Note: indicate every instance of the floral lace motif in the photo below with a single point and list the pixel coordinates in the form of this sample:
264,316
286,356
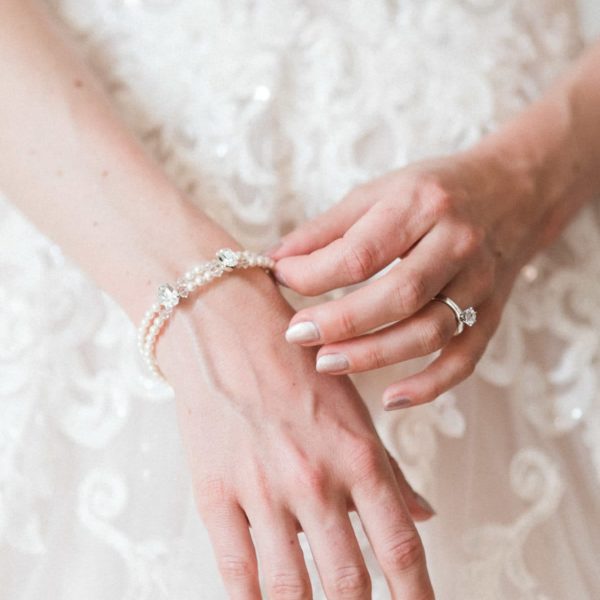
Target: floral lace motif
497,550
266,113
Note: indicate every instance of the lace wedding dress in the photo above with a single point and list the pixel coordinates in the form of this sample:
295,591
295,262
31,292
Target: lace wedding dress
265,112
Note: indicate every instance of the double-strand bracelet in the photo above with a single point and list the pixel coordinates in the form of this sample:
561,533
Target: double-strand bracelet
169,295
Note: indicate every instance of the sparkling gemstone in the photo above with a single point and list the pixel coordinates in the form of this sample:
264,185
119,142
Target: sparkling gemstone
228,258
469,316
167,296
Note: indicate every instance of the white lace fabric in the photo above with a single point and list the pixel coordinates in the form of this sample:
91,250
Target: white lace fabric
267,112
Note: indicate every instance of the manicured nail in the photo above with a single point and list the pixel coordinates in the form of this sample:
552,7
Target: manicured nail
400,402
272,249
330,363
424,504
306,331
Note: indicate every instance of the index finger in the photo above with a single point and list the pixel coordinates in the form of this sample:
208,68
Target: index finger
393,537
386,231
233,548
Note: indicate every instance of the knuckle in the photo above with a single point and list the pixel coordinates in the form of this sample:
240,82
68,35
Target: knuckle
288,586
433,336
435,389
346,323
210,492
411,294
387,211
468,241
314,480
372,357
404,553
466,365
360,261
235,567
439,201
351,581
262,490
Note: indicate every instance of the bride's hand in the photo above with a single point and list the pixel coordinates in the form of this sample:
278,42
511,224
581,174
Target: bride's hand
278,447
463,225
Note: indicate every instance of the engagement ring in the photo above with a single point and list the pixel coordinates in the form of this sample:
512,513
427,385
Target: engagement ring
463,317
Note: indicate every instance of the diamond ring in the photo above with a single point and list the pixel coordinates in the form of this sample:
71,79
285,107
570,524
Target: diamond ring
466,317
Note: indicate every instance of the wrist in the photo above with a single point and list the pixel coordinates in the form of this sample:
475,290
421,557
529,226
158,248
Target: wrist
238,309
537,161
157,247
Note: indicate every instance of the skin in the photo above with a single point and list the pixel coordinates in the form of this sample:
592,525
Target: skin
464,225
273,446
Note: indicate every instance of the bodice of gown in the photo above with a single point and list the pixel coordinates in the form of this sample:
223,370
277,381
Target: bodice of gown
269,111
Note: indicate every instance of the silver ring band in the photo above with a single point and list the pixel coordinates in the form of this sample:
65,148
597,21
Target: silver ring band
463,317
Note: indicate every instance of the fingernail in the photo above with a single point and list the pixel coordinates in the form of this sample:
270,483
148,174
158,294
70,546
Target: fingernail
424,504
329,363
272,249
306,331
400,402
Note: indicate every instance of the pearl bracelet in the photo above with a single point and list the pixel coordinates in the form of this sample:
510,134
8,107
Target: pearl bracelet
169,296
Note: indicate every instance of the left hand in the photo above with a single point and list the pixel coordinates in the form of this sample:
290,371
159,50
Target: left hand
463,226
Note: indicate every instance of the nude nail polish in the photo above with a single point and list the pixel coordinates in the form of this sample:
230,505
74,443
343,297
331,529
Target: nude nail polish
332,363
303,332
399,402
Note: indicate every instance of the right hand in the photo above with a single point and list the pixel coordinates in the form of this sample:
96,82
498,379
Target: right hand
278,447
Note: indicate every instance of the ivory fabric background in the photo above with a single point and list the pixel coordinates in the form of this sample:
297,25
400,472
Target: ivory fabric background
266,112
590,18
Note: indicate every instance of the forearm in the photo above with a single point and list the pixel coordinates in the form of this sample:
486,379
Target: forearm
76,171
553,147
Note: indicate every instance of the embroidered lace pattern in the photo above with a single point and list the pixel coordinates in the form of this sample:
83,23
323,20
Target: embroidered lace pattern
265,113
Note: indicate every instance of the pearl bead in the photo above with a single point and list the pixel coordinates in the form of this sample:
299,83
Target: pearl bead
155,317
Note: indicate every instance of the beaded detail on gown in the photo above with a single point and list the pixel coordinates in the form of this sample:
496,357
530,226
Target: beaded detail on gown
266,112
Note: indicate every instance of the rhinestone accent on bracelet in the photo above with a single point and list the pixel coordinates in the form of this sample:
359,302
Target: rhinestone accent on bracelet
169,296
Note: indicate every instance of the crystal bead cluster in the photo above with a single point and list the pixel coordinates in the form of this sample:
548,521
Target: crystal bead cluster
169,296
